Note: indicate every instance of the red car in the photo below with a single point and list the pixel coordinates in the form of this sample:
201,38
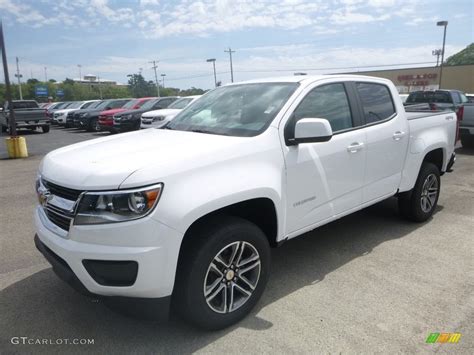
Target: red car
106,118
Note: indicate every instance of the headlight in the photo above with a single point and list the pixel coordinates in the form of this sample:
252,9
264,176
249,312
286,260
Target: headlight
117,206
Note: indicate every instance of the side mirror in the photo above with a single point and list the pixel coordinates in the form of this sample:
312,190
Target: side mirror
312,130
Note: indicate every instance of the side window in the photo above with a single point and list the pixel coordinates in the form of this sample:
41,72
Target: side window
376,101
456,97
329,102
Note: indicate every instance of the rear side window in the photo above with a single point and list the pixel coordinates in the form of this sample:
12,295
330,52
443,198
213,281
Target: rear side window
329,102
456,97
24,105
376,101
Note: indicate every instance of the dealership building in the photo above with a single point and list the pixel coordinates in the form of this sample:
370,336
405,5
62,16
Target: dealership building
460,77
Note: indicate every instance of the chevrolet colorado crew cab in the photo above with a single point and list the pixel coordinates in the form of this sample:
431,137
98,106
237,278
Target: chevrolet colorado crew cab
185,215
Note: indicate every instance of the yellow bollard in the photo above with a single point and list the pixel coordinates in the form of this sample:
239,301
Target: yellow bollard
16,147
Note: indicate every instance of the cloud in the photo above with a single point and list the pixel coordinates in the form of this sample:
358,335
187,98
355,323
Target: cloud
157,19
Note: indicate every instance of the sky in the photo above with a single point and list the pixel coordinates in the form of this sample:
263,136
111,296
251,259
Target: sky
113,38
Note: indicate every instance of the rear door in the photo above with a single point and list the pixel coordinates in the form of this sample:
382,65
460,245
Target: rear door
386,140
325,179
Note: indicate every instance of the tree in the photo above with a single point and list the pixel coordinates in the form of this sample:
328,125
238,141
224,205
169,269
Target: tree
52,80
464,57
139,87
32,81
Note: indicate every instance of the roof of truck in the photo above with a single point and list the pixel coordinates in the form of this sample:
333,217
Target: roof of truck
307,78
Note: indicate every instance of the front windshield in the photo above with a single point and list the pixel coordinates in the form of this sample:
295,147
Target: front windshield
149,104
75,104
180,104
135,103
244,110
88,104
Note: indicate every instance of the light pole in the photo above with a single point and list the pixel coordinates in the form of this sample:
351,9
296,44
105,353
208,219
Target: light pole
163,76
8,93
213,61
45,74
154,62
230,51
19,76
437,53
445,25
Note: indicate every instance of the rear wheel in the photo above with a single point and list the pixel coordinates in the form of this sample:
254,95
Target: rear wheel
45,129
222,273
419,204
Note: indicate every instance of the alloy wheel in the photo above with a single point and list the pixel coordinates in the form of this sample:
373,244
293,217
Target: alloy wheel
232,277
429,193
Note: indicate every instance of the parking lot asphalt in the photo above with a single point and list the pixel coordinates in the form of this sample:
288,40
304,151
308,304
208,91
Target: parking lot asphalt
368,283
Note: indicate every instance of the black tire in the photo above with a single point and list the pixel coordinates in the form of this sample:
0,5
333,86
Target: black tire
205,244
467,141
93,125
45,129
410,204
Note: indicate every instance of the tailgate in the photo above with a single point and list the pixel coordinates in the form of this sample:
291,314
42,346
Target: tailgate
32,114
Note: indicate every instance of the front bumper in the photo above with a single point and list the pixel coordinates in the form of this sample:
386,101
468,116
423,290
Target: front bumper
149,243
126,125
151,308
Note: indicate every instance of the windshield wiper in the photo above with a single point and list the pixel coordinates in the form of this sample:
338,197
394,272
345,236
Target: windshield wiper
207,132
201,131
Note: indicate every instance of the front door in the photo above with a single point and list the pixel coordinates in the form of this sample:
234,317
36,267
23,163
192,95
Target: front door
324,179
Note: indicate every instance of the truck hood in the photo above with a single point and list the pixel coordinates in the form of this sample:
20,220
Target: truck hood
105,163
162,112
66,110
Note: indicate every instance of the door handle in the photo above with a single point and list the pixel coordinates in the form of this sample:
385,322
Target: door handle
355,147
398,135
449,118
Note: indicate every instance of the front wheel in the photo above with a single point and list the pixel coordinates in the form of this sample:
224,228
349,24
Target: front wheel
222,273
94,125
419,204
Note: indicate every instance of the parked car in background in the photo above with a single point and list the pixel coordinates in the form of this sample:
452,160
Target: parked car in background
187,215
61,115
130,120
470,98
106,118
453,100
27,115
70,115
158,118
89,119
59,106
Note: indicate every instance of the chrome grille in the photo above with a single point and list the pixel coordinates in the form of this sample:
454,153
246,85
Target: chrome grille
59,207
64,192
59,217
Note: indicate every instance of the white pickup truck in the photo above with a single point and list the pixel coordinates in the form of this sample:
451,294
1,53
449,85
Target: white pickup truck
186,215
